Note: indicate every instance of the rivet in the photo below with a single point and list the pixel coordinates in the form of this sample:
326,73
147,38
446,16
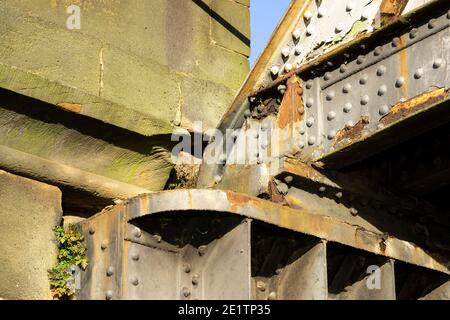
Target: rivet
137,233
283,188
157,238
378,50
261,286
308,84
103,246
399,82
360,59
363,79
322,189
380,126
310,121
264,127
288,179
91,230
347,87
264,145
285,52
311,140
109,295
343,68
195,279
353,212
298,50
223,159
202,250
110,271
432,24
186,267
307,15
365,15
330,95
384,109
288,67
331,134
296,34
382,90
419,73
135,256
247,113
134,281
301,130
347,107
338,195
327,76
365,100
274,70
281,88
321,12
309,102
278,270
349,124
309,31
350,6
381,70
186,292
395,42
413,33
331,115
272,296
437,63
217,178
301,144
339,28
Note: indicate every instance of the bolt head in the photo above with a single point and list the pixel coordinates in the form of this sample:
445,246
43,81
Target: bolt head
134,281
195,279
274,70
110,271
399,82
261,286
187,268
109,295
185,292
347,107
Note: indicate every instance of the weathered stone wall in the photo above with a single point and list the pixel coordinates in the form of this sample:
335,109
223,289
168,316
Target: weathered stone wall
105,99
146,66
28,212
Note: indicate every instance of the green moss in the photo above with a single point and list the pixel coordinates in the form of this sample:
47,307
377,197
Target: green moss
71,252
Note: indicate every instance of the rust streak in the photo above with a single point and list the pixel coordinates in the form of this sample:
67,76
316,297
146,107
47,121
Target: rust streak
72,107
291,109
352,132
391,9
408,107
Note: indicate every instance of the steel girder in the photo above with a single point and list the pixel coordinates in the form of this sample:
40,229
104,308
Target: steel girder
211,244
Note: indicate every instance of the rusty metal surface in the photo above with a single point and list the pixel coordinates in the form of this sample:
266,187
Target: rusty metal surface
300,220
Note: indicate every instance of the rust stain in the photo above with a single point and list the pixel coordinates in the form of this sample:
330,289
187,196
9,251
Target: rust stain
275,196
352,132
291,109
408,107
404,71
391,9
236,200
72,107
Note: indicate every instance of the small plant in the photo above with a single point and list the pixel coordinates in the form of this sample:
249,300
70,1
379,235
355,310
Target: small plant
71,252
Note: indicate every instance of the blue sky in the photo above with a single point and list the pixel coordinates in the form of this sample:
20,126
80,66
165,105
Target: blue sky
265,15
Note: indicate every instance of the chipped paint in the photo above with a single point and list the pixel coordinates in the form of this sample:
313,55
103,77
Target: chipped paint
69,106
408,107
354,132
